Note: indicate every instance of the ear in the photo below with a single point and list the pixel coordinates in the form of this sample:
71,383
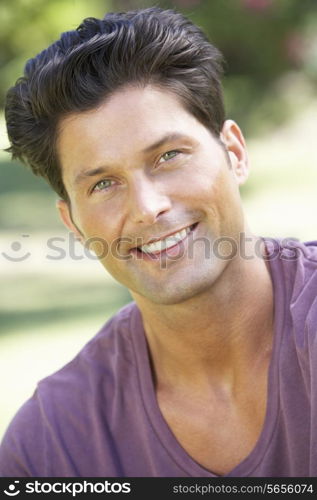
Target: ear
234,142
66,217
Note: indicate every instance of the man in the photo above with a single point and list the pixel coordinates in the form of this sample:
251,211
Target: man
210,370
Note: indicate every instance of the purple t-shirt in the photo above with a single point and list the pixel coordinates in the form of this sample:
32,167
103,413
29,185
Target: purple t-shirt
98,416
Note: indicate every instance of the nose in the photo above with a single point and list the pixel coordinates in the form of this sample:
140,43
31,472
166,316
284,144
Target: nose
147,201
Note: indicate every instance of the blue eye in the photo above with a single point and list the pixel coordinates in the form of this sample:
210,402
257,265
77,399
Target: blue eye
168,156
103,185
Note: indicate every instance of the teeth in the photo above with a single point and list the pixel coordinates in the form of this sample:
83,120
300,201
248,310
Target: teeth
170,241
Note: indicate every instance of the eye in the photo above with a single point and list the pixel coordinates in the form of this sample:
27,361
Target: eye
103,185
169,155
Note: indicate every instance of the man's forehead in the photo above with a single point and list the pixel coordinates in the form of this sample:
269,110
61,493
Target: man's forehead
129,100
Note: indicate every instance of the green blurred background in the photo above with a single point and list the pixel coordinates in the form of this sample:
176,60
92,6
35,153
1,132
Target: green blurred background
54,295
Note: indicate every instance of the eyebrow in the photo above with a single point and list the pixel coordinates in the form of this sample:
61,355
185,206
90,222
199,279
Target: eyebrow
170,137
81,176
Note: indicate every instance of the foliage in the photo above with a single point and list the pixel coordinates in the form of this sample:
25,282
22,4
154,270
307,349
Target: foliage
28,26
262,41
270,49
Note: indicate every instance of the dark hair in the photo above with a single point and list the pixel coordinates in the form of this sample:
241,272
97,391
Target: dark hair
87,65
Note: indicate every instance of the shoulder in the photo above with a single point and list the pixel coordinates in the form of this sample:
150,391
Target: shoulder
99,357
299,262
17,459
70,401
294,262
294,270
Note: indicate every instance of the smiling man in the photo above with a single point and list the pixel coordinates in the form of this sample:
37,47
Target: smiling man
209,371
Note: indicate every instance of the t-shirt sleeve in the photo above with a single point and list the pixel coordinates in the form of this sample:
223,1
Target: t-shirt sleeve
70,427
22,450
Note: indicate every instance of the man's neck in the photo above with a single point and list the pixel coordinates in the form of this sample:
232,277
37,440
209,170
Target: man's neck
217,336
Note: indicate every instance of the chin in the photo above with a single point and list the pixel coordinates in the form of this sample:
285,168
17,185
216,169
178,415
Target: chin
171,294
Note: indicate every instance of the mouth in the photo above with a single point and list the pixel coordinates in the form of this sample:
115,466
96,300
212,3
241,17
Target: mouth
159,247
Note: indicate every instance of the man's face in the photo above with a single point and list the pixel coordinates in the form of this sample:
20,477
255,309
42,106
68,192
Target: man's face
140,168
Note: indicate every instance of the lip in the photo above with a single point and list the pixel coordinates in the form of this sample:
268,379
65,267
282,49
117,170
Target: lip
167,251
154,240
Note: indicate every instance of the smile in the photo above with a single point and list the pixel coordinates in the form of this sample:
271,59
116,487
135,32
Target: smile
165,243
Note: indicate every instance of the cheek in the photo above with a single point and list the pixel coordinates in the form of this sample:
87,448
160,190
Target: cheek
106,247
96,225
229,205
99,246
202,186
215,192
